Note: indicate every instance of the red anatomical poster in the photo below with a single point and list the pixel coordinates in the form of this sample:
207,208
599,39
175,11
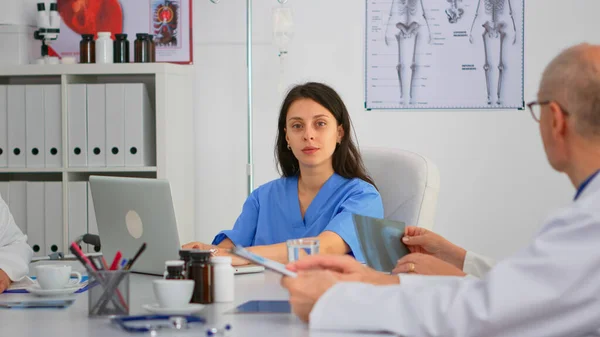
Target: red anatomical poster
168,20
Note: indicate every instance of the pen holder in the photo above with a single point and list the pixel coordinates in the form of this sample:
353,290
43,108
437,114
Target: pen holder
108,293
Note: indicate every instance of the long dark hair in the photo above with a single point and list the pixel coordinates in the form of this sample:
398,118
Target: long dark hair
347,161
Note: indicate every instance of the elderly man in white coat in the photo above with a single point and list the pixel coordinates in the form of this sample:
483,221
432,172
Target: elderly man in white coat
550,288
15,253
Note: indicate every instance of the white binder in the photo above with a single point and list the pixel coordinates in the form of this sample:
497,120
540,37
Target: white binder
115,128
17,203
53,202
77,125
35,218
4,191
16,126
34,127
3,127
53,125
96,125
139,127
77,209
92,224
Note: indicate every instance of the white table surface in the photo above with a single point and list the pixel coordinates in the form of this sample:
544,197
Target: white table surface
74,321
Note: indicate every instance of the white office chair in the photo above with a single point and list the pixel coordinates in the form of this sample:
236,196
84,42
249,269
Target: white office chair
408,183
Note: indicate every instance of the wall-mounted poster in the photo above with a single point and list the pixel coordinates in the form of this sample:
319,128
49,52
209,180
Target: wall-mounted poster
450,54
170,21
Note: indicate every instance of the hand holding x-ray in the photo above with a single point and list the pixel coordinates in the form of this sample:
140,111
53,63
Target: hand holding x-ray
422,241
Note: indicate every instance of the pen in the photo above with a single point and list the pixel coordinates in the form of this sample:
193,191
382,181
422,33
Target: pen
110,286
102,303
91,268
104,264
81,256
97,261
115,262
132,261
123,263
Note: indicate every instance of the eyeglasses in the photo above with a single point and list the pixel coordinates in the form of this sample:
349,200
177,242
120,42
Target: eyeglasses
535,108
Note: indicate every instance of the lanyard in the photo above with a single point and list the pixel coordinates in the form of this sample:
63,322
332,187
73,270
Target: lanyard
585,183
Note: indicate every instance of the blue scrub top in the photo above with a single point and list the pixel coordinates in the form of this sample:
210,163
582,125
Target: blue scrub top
271,214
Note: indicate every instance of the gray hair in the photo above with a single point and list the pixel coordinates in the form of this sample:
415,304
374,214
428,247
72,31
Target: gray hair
572,79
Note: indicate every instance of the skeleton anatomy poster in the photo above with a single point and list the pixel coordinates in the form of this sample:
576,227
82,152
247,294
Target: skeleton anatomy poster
444,54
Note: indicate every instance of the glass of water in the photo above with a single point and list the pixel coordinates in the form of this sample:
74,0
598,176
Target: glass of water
297,248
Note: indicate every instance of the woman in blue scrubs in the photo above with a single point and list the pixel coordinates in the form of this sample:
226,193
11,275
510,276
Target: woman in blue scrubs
323,183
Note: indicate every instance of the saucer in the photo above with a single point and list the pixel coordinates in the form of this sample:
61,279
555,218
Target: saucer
36,290
186,310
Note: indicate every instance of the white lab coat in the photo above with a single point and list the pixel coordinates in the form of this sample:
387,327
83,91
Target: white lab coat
550,288
477,265
15,253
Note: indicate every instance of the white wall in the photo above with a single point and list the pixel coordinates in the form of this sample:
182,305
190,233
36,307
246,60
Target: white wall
496,186
19,12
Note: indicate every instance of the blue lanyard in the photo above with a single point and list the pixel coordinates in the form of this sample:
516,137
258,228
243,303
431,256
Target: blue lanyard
585,183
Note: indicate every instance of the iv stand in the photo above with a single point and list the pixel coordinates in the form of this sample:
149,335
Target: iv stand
250,164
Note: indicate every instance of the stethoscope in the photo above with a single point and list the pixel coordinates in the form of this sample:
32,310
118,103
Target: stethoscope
154,323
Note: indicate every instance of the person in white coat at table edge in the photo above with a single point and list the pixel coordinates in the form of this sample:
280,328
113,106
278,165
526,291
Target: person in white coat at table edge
15,253
549,288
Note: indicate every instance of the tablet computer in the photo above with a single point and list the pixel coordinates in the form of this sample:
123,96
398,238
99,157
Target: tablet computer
265,307
380,241
248,269
38,304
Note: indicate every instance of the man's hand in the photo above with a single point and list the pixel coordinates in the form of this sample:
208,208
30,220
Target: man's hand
421,240
423,264
4,281
306,289
347,269
318,273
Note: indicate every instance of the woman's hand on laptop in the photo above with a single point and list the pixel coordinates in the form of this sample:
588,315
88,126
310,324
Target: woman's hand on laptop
421,240
198,245
216,251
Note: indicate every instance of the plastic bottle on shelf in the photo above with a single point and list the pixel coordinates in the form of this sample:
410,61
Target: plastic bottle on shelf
104,48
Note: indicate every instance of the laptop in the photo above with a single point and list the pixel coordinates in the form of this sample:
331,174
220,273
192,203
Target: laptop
380,241
131,211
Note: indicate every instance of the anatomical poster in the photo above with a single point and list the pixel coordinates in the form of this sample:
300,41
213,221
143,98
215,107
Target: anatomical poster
451,54
169,21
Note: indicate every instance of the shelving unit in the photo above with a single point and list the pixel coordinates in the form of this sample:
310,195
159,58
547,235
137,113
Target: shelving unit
170,88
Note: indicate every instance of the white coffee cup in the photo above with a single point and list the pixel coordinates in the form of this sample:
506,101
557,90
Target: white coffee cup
55,276
173,293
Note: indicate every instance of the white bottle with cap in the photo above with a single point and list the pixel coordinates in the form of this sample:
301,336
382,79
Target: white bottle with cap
223,285
104,48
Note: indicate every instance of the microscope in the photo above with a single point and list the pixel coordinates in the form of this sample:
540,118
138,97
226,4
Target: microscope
48,27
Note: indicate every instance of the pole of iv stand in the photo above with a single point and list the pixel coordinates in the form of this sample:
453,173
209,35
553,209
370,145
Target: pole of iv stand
250,164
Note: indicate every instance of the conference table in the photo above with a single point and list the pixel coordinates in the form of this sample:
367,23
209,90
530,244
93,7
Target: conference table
74,321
